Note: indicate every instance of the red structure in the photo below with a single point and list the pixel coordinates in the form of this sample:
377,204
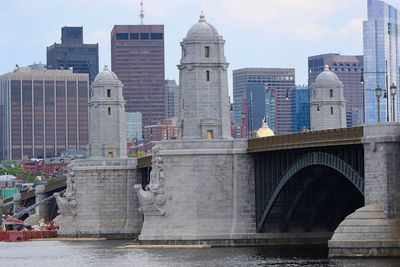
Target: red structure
165,130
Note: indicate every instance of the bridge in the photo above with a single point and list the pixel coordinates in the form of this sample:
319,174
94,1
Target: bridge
308,181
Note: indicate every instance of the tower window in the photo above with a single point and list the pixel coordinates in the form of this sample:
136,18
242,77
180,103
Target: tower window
210,134
108,92
207,51
331,110
109,111
318,108
331,92
207,75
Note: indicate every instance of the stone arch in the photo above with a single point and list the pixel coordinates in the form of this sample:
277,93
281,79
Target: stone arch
309,159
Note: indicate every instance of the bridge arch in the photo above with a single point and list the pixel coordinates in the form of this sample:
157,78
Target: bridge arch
310,159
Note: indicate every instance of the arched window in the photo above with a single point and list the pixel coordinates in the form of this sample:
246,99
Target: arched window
108,92
330,92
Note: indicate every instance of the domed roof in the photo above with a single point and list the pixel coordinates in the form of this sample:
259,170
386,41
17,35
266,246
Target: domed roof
202,30
264,131
106,76
327,76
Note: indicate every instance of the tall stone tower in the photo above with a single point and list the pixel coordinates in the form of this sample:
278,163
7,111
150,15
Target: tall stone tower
100,199
203,87
327,104
107,117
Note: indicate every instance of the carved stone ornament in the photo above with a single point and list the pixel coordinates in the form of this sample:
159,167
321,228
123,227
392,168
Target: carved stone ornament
152,199
67,203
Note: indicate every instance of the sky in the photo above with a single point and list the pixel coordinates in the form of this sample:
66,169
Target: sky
258,33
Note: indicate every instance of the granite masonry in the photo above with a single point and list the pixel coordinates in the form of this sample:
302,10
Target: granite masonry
100,198
374,230
203,185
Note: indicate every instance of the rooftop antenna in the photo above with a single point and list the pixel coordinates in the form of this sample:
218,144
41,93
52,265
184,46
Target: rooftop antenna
141,15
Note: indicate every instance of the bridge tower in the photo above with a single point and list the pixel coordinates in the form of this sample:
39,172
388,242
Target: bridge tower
100,199
327,104
203,99
107,117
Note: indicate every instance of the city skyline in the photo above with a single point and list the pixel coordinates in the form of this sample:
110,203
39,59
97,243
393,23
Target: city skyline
306,28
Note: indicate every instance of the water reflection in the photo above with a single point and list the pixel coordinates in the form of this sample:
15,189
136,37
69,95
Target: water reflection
112,253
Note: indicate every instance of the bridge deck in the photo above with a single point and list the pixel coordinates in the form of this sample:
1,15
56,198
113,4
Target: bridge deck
344,136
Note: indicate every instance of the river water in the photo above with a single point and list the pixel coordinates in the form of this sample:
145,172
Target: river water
113,253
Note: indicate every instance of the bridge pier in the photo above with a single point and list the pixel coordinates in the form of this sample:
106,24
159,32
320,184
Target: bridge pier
41,211
374,230
17,200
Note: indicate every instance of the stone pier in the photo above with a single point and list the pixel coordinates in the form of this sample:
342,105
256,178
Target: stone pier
17,200
374,230
199,190
42,210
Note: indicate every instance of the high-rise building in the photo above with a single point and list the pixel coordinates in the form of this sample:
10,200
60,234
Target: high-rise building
133,121
73,53
381,60
137,57
349,70
172,90
280,79
42,112
300,99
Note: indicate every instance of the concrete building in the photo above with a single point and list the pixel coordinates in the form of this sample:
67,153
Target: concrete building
42,112
381,60
99,199
282,80
349,70
73,53
300,101
137,58
200,185
172,91
165,130
133,121
327,103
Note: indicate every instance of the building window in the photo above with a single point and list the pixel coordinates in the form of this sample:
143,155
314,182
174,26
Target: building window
207,75
134,36
330,92
210,134
144,36
110,155
122,36
108,92
331,110
207,51
156,35
109,111
318,108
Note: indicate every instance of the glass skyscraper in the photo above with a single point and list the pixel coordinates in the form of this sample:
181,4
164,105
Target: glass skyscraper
381,60
300,99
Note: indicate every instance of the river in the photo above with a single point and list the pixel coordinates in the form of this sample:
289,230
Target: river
112,253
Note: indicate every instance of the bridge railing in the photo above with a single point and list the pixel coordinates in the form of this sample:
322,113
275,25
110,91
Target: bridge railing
343,136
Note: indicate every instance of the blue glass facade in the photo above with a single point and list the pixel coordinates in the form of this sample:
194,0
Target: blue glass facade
381,59
300,99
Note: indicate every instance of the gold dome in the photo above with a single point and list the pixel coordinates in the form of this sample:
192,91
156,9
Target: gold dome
264,131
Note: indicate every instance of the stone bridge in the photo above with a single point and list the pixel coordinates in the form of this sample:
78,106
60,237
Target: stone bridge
315,181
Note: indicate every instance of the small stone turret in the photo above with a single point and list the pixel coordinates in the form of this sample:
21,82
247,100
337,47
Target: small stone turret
107,117
327,103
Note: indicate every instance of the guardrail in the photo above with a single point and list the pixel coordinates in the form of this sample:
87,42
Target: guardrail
334,137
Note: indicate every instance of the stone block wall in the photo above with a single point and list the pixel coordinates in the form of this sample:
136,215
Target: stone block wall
382,166
209,188
106,202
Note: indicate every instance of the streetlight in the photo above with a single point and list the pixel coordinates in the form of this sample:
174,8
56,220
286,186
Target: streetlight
393,91
378,93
